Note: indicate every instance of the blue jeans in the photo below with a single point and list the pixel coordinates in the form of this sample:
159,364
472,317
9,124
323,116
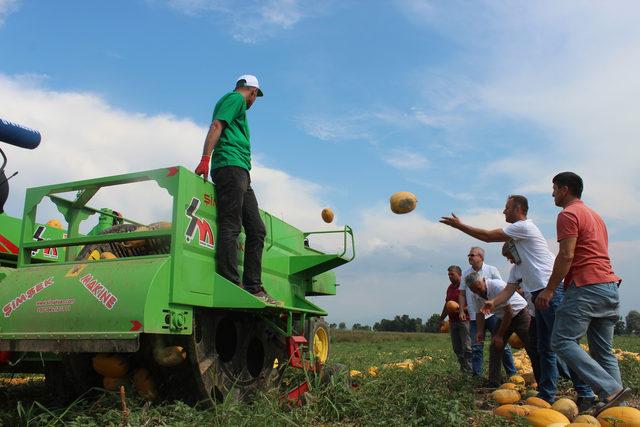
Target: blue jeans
545,321
590,310
477,349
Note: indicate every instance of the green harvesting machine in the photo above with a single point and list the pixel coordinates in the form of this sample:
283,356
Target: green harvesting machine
142,304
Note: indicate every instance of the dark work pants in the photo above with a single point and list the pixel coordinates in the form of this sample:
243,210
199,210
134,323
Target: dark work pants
461,343
520,326
533,339
237,207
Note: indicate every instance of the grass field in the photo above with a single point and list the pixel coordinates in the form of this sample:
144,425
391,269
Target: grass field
432,393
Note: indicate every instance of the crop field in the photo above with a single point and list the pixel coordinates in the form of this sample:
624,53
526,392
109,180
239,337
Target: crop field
402,379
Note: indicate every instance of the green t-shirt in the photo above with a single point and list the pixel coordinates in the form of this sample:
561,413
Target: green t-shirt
233,147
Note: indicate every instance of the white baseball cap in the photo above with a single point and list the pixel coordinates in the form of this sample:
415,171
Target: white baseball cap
248,80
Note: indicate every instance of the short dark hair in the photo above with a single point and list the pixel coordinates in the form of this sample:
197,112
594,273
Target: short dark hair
455,268
570,180
521,201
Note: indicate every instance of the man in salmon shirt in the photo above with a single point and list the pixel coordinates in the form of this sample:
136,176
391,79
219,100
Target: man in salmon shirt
591,300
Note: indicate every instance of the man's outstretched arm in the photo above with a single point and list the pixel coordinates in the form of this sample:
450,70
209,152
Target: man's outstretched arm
496,235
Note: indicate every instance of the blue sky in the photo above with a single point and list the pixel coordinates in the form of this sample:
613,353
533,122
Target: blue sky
461,103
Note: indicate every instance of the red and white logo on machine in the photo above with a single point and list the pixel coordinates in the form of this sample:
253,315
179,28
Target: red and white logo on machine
199,225
9,308
47,252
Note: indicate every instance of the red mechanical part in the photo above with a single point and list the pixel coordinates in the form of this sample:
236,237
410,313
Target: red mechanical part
4,357
295,395
295,351
172,171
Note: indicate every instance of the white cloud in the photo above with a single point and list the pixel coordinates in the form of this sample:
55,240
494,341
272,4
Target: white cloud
405,159
567,69
6,8
345,128
254,20
372,126
83,137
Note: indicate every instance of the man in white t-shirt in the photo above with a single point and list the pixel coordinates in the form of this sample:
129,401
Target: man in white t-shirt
536,261
466,300
512,317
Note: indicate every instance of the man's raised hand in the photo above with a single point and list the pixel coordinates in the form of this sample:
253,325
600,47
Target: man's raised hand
452,221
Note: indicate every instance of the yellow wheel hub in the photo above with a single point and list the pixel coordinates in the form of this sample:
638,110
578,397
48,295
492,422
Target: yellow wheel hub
321,345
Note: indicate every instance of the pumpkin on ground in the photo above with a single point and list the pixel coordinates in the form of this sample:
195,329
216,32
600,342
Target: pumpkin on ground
536,401
543,417
510,411
403,202
169,356
113,384
144,384
627,416
503,396
581,425
517,379
445,327
567,407
515,341
588,419
509,386
530,408
110,365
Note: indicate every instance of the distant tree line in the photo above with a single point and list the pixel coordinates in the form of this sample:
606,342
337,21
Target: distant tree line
631,326
628,325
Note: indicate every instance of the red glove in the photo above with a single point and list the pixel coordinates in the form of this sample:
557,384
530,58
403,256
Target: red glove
203,167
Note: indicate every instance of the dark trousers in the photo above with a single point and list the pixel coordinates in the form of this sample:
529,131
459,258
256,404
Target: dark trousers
477,349
461,343
237,207
520,326
535,356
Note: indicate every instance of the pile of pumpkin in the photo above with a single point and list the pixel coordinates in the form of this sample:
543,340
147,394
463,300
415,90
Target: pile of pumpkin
21,380
116,371
407,364
516,401
619,353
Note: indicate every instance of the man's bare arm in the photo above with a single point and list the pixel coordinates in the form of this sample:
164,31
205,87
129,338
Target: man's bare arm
563,261
213,135
506,321
497,235
444,313
561,267
479,327
503,296
462,303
